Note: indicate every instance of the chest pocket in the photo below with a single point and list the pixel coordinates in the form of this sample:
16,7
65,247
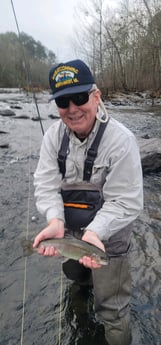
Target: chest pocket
81,200
81,203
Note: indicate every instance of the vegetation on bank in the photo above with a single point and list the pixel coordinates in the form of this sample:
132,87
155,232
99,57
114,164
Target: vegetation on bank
24,61
121,44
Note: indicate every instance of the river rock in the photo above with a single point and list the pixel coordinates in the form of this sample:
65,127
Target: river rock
4,146
3,132
7,112
24,117
53,117
16,106
37,118
150,151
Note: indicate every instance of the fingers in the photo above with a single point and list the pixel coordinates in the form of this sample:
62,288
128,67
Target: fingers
48,251
54,229
40,237
91,237
89,262
37,240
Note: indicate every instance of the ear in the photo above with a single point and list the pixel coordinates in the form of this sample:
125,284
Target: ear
97,95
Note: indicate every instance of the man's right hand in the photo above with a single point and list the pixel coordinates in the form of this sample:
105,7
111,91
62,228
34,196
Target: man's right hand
55,229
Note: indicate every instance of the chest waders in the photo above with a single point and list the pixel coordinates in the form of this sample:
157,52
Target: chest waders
81,201
112,283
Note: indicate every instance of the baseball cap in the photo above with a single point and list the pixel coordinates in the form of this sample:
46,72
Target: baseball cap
69,78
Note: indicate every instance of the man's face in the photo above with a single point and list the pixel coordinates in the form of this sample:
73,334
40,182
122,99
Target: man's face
80,119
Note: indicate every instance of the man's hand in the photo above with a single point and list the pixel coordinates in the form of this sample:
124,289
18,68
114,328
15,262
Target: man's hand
55,229
91,237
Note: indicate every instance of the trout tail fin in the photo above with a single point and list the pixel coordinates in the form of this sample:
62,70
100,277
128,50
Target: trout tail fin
27,247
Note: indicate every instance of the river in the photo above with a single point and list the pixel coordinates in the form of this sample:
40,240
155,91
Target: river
38,305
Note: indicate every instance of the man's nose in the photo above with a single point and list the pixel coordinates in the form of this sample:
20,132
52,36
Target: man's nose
72,107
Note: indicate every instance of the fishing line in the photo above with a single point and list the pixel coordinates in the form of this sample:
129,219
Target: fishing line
29,85
26,67
27,233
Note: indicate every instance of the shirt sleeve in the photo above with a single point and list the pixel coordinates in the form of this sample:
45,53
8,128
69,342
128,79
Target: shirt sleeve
122,190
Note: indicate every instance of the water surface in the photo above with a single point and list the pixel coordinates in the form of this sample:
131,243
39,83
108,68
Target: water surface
51,309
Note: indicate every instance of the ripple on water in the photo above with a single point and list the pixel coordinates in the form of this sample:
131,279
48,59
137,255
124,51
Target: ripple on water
42,308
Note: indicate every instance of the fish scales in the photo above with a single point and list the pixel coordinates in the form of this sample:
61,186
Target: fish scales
70,248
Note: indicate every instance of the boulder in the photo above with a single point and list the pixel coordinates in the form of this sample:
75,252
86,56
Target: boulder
7,112
24,117
3,132
37,118
4,146
150,151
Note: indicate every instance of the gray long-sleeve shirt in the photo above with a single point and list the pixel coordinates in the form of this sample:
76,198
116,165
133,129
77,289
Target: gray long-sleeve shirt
117,169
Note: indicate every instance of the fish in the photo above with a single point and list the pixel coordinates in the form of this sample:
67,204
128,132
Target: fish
70,248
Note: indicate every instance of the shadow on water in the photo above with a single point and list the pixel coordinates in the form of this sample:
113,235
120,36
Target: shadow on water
43,281
80,317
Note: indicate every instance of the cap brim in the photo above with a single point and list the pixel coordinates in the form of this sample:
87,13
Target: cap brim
72,90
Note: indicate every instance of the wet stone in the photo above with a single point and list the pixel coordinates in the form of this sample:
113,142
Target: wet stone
7,112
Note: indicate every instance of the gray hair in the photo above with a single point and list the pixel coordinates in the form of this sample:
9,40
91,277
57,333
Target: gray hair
94,87
102,114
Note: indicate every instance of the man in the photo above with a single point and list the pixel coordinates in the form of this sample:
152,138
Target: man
70,172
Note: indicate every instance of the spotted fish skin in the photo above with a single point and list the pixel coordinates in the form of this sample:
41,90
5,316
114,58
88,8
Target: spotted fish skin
70,248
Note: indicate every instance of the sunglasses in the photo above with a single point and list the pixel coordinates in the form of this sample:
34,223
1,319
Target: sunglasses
77,98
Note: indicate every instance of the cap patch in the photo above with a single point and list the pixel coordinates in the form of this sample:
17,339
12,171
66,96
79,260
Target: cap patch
65,75
70,77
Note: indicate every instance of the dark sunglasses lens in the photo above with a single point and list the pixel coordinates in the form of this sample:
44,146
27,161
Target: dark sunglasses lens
80,98
62,102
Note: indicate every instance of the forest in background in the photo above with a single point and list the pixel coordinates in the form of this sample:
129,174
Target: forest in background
122,46
24,61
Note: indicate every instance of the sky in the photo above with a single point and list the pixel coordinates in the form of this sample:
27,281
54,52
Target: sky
51,22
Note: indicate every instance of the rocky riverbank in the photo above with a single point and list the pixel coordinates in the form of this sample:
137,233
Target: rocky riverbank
150,147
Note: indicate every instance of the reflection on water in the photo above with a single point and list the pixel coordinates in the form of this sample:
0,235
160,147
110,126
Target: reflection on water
43,283
80,317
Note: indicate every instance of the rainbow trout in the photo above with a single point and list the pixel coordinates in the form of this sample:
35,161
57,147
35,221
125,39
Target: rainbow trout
70,248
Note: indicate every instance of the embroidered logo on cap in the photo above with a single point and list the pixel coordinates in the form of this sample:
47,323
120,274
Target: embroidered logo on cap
65,75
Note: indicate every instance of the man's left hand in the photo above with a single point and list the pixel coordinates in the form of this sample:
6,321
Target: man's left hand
91,237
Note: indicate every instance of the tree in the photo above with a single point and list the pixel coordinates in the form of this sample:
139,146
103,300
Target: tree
123,46
23,61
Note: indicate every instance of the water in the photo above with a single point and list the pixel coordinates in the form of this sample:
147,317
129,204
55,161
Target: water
49,316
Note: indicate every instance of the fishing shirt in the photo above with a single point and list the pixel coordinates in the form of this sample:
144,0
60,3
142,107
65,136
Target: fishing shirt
117,170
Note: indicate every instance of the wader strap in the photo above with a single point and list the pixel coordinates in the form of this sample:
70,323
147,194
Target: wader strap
62,154
91,153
